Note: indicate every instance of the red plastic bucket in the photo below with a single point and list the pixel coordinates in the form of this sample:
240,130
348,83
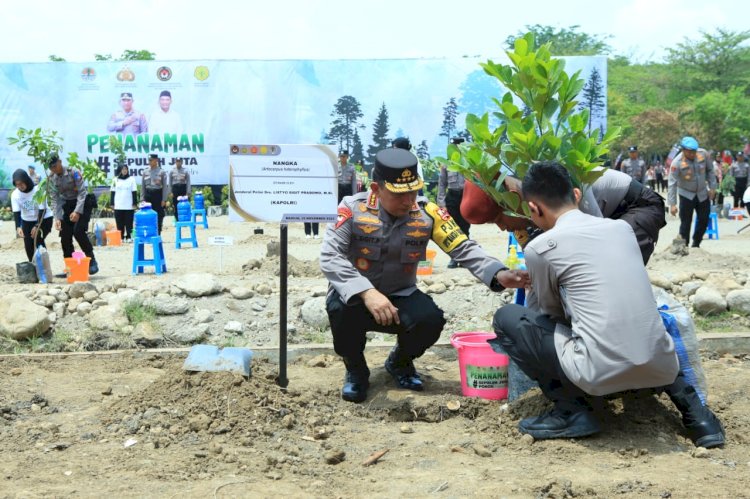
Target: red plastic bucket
484,372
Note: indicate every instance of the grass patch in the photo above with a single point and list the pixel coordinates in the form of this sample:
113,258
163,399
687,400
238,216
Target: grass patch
720,323
137,312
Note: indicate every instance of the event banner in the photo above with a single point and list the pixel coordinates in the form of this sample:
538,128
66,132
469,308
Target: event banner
195,110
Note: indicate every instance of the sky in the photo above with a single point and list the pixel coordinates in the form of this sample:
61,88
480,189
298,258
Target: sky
31,30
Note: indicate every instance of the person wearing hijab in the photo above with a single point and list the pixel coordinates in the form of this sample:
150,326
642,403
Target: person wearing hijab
33,220
123,199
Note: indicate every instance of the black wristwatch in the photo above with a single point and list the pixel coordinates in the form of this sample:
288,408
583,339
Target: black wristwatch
495,284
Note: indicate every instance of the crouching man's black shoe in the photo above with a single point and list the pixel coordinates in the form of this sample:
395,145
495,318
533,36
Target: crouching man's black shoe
560,424
704,428
355,387
405,376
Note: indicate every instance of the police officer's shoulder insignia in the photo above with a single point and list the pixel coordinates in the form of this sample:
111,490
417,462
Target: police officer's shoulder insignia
544,245
344,214
372,201
361,207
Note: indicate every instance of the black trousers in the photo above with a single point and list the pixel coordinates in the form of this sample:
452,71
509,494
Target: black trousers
155,198
702,210
345,190
740,184
311,228
421,324
77,230
124,222
646,216
660,182
178,190
527,336
30,243
453,204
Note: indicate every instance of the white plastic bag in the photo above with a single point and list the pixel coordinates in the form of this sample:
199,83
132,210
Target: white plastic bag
42,265
686,340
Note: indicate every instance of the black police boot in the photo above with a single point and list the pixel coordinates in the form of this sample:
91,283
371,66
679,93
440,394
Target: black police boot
570,418
402,369
356,380
93,267
702,425
559,423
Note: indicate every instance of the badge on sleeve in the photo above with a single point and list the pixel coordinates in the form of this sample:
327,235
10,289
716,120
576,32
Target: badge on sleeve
445,230
344,214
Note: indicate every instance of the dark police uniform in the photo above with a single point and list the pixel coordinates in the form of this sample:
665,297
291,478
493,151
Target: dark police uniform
155,191
179,181
369,248
69,195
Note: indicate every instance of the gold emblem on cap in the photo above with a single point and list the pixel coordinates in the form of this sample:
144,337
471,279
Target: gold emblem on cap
406,176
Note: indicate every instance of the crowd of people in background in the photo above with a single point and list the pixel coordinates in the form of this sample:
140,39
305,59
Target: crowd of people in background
729,168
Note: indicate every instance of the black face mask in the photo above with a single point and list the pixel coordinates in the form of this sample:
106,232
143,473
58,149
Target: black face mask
23,177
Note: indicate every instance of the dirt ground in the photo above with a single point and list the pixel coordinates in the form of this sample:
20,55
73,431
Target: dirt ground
134,424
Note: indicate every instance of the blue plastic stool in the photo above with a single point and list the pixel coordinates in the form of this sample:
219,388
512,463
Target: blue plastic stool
179,240
195,217
139,257
712,231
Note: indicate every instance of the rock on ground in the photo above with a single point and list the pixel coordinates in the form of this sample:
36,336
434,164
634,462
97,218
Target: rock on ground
313,312
107,318
20,318
202,284
164,304
709,301
739,301
78,289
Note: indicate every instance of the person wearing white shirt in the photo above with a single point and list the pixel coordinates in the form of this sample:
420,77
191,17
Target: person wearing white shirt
123,199
33,220
164,119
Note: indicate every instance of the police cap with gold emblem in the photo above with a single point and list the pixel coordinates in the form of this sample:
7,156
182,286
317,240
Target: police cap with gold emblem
397,169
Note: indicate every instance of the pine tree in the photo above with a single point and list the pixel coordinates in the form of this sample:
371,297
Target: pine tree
379,135
592,97
357,153
423,151
450,112
346,112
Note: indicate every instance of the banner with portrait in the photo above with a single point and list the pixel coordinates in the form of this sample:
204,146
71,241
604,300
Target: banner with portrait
194,110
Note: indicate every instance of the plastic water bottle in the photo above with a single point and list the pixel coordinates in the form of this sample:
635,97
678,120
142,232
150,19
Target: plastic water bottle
98,234
199,204
183,209
146,221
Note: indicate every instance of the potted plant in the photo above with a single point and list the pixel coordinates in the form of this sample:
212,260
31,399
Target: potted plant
538,120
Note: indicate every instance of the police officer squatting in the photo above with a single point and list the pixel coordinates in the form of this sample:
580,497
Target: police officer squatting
72,207
594,329
370,258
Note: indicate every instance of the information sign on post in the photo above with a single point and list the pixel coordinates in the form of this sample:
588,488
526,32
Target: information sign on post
282,183
221,241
